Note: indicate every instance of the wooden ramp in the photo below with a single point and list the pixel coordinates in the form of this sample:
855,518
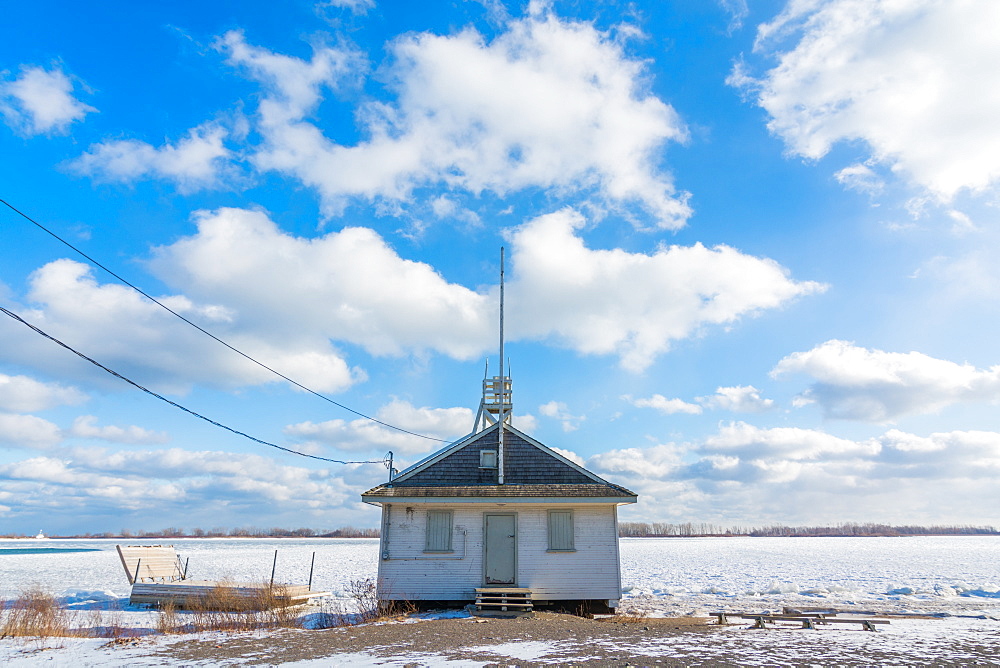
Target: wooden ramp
159,578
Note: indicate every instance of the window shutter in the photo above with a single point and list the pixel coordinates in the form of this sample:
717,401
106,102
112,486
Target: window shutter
561,530
438,531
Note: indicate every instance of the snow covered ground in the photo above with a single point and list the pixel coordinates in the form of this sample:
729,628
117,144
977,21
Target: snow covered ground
955,578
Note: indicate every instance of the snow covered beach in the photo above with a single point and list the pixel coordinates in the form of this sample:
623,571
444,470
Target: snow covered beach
956,579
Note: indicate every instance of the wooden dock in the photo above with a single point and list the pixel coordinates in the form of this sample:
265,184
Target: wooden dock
209,595
158,577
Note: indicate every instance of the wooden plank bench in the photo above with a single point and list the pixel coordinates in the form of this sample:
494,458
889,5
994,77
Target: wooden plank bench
808,620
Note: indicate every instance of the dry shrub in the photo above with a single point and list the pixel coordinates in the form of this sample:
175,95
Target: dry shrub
631,615
228,607
168,621
365,595
331,615
370,607
34,613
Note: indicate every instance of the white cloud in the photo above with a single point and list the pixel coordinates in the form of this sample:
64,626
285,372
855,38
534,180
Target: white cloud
783,444
370,296
632,304
739,399
363,435
198,161
915,81
558,410
210,488
85,426
861,178
861,384
737,10
40,101
570,455
548,104
755,475
660,461
21,394
356,6
28,431
151,346
664,405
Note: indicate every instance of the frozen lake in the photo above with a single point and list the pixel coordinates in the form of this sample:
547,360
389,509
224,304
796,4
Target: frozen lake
936,575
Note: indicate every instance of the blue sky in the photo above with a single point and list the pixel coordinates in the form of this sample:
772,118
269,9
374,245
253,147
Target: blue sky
751,247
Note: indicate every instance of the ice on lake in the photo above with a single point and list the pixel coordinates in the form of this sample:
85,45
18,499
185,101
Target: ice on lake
957,575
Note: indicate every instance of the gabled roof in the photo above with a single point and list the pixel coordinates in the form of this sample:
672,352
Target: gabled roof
531,471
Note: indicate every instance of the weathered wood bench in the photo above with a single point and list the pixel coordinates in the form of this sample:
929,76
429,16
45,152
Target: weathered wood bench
808,620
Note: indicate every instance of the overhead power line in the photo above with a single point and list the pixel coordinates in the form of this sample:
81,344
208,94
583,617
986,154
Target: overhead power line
213,336
174,403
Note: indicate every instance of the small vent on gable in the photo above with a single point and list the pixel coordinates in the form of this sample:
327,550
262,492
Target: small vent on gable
487,459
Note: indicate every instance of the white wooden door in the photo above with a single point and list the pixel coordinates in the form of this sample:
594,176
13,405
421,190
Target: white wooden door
500,558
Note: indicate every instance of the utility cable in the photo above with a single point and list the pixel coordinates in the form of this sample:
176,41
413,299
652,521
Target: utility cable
207,333
174,403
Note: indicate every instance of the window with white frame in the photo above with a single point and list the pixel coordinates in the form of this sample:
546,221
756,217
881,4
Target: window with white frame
438,531
561,531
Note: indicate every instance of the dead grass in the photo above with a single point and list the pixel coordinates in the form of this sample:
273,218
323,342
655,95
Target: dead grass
631,615
231,608
34,613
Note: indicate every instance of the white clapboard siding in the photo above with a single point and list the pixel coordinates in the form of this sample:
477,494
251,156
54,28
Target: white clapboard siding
589,572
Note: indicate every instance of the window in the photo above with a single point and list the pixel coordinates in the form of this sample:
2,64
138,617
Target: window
487,459
438,531
561,531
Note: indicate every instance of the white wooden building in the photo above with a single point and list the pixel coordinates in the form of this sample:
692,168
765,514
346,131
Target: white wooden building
498,515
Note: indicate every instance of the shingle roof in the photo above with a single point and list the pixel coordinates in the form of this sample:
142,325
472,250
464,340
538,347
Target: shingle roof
582,491
531,470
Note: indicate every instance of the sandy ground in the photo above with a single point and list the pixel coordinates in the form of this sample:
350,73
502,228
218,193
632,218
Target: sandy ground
543,639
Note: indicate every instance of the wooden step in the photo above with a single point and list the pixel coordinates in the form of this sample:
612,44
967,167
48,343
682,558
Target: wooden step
502,598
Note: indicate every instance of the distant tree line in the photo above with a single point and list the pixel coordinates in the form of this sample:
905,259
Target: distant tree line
222,532
664,529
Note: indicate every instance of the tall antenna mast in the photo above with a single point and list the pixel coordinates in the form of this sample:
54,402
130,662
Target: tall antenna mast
503,383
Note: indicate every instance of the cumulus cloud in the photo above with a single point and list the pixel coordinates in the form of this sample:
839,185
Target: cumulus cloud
747,473
28,431
40,101
197,161
912,80
151,346
363,435
664,405
208,487
856,383
633,304
558,410
370,296
547,103
21,394
739,399
85,426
